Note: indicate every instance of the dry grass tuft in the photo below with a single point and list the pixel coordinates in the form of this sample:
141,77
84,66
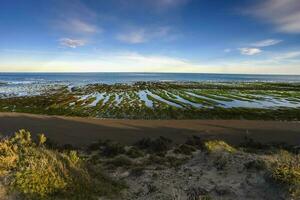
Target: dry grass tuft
39,173
218,146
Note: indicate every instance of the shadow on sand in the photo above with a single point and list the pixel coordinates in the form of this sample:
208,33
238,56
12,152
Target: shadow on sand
83,131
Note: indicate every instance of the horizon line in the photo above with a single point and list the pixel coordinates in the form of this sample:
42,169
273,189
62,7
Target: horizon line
78,72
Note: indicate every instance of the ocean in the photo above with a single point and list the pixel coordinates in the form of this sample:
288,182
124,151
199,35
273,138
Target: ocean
111,78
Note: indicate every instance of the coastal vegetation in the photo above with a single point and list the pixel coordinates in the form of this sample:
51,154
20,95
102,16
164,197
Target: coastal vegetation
31,170
36,168
165,100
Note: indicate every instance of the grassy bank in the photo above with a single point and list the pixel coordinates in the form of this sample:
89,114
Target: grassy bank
36,168
33,170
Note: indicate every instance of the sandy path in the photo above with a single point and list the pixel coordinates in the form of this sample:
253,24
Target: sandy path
83,131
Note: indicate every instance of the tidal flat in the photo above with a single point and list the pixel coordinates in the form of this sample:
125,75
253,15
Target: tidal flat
161,100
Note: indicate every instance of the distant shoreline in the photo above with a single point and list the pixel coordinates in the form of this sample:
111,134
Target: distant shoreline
202,73
129,77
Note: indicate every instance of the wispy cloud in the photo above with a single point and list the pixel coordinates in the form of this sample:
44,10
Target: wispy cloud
78,26
157,5
266,43
72,43
287,55
142,35
249,51
168,3
153,60
76,18
81,26
133,37
284,14
104,61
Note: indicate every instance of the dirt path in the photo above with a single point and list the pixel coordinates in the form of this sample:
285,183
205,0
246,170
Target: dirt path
83,131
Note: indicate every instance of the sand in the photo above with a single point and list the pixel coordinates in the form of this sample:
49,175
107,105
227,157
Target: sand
83,131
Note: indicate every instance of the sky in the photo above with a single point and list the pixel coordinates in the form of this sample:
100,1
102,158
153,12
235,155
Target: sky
195,36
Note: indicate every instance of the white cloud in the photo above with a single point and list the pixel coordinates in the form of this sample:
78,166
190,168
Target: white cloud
133,37
250,51
106,61
284,14
152,60
287,55
75,17
157,5
142,35
169,3
72,43
81,26
266,43
77,26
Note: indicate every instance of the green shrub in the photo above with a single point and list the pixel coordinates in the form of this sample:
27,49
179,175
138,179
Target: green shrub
185,149
8,156
134,152
40,174
111,149
74,157
159,145
251,146
107,148
286,168
218,145
195,141
22,139
95,146
42,139
36,172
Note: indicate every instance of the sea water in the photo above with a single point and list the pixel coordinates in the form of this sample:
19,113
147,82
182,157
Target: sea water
22,84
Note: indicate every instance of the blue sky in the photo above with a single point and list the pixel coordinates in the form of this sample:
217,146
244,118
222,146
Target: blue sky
206,36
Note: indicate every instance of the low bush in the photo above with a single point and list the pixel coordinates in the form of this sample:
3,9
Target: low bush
251,146
134,152
185,149
218,145
39,173
112,149
8,156
96,146
107,148
159,145
286,170
195,141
